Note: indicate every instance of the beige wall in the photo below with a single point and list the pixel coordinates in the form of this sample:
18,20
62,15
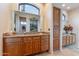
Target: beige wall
5,23
49,23
46,10
5,17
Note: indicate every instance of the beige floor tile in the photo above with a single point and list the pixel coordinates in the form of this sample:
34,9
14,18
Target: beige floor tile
64,52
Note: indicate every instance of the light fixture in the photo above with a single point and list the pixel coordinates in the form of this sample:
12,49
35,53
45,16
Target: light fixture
23,22
63,5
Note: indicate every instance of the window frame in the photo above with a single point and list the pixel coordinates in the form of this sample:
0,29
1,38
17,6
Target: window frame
29,5
63,15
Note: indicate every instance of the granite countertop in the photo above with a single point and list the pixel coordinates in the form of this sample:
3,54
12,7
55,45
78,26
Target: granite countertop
69,34
24,35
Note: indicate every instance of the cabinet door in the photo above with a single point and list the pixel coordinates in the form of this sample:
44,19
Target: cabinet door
68,40
64,41
73,37
44,43
36,44
13,46
27,45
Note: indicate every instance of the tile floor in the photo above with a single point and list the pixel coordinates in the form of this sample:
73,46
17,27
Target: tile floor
67,51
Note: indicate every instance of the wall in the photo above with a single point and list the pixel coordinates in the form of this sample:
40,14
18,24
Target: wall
74,20
49,22
5,23
62,23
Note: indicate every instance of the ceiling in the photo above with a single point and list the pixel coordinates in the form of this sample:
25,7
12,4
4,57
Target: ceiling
70,5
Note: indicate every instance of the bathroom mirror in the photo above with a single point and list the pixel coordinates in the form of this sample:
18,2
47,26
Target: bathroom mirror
26,22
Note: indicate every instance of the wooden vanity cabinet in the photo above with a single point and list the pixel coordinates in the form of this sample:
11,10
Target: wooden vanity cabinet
13,46
68,40
25,45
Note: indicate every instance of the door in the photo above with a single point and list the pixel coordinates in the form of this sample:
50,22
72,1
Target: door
56,28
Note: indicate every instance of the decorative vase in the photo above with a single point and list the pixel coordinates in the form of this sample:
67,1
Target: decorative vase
66,32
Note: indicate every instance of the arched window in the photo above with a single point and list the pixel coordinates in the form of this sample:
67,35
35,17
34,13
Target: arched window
29,8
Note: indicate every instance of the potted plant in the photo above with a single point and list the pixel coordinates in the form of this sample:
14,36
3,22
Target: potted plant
70,29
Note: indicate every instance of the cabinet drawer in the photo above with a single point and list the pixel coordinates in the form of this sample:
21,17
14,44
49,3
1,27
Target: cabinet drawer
36,37
44,40
44,43
44,37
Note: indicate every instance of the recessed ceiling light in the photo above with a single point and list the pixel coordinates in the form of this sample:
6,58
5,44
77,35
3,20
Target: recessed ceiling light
68,8
63,5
